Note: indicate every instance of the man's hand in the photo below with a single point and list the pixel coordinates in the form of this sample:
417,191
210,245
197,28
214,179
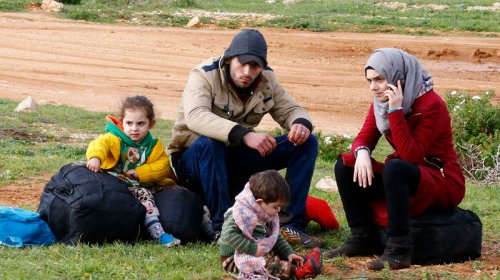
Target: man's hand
94,164
363,170
261,142
298,134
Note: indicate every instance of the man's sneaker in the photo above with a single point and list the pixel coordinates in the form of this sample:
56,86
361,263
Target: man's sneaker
315,255
168,240
294,236
308,270
214,238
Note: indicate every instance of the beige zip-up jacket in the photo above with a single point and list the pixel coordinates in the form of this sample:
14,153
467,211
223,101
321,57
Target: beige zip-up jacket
210,108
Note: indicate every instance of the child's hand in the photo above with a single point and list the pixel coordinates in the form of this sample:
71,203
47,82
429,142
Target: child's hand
297,259
132,174
261,251
94,164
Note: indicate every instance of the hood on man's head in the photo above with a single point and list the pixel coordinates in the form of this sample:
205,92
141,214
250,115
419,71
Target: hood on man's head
248,45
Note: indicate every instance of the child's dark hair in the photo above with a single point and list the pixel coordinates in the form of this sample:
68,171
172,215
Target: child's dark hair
138,101
269,186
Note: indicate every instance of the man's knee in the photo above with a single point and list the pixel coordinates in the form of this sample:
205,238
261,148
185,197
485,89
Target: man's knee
312,143
205,146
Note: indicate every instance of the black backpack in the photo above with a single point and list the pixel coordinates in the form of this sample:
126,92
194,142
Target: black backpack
87,207
444,236
181,213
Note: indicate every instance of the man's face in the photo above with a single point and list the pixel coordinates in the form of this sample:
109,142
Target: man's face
243,75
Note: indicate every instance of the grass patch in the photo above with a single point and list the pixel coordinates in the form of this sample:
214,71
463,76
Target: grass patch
403,17
33,144
15,5
57,135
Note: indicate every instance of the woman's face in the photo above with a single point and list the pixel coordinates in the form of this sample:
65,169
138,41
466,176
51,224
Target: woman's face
378,84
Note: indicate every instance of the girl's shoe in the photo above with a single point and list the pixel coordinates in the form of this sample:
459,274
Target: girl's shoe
168,240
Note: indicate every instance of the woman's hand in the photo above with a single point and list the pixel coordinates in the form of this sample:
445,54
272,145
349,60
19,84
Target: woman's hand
363,170
395,95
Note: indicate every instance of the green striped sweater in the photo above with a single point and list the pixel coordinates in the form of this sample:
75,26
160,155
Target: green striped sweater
232,239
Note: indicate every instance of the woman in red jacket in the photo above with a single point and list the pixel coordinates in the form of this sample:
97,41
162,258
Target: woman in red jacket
422,172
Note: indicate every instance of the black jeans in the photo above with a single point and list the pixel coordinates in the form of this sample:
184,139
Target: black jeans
397,183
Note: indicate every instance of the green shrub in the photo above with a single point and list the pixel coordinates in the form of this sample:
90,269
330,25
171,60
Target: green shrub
83,14
331,146
476,132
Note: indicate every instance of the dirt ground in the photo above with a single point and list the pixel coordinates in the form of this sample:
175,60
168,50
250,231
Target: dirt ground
93,66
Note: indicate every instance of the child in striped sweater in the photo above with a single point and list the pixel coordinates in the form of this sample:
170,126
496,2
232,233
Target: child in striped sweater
250,242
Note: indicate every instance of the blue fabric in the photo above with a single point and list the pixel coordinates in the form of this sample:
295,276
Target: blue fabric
222,171
20,227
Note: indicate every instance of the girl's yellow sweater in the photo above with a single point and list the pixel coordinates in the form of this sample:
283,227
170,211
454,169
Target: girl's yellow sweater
156,169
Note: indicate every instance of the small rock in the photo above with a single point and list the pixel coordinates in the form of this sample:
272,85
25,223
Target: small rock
51,6
27,105
327,184
194,22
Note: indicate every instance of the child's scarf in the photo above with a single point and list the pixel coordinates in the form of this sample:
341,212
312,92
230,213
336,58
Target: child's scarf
132,154
247,214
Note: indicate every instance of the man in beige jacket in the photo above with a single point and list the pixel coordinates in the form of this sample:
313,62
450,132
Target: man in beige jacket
214,147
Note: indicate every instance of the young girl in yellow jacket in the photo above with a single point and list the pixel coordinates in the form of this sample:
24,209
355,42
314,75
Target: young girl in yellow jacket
128,151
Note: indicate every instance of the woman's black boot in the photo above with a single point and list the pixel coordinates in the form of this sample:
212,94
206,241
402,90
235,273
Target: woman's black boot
364,241
397,254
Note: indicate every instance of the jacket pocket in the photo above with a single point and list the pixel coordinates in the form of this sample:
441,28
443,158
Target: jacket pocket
255,116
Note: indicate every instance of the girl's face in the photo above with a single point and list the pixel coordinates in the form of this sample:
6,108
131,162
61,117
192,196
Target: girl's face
378,84
136,124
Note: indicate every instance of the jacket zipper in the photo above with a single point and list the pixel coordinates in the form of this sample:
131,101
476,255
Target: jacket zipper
441,169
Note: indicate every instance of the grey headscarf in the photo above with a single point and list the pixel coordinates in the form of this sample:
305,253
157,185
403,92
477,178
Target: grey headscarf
395,64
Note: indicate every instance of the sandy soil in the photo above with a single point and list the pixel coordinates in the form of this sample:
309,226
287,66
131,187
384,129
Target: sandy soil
94,66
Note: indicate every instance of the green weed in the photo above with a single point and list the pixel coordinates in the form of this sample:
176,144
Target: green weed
15,5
